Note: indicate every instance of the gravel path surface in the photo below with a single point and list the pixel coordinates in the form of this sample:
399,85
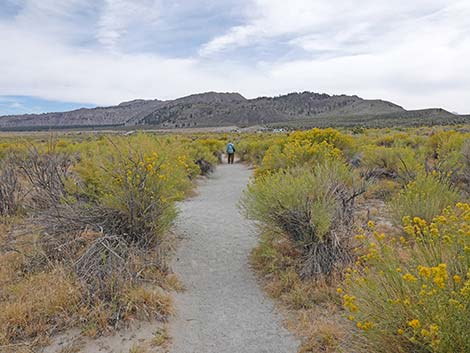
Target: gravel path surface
223,310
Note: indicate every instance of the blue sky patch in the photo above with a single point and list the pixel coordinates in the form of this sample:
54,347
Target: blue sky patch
13,105
414,53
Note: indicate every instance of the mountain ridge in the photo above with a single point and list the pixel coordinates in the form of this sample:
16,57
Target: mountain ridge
215,109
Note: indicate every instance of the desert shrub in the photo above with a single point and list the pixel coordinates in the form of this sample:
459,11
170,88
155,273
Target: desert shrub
131,196
10,187
130,205
253,148
442,142
424,197
390,162
276,257
331,136
414,296
313,305
313,206
206,153
45,175
293,154
464,168
115,164
215,145
306,147
101,217
33,180
12,146
398,139
455,163
136,192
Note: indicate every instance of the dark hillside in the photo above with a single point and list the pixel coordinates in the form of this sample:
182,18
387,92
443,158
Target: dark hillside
214,109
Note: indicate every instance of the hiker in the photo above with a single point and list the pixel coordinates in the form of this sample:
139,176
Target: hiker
230,152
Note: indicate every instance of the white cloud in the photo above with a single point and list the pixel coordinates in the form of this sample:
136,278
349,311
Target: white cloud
40,67
119,15
414,53
333,21
61,21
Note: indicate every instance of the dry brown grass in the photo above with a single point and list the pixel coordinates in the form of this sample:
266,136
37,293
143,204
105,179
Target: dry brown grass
146,303
70,264
161,338
16,348
138,348
37,305
39,299
322,332
312,307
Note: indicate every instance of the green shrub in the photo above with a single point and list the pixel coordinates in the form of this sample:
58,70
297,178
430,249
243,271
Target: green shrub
313,206
398,139
414,296
306,147
253,148
456,164
464,167
206,153
391,162
331,136
101,216
297,153
424,197
440,143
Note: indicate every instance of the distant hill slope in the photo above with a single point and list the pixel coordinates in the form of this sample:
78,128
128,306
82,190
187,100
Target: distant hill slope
232,109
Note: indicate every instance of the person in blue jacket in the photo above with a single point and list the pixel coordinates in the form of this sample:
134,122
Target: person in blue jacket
230,152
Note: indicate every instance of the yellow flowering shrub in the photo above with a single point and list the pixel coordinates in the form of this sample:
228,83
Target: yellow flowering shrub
413,295
442,143
136,176
111,163
425,197
297,153
393,162
113,200
11,147
331,136
306,147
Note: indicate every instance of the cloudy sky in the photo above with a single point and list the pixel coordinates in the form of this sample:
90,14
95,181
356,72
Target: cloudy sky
62,54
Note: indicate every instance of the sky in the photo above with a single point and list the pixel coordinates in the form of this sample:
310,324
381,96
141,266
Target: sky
57,55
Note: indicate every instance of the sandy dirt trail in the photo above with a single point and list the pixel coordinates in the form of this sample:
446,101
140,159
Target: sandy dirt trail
223,310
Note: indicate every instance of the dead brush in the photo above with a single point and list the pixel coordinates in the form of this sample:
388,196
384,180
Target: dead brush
321,255
109,246
466,159
312,305
107,250
10,187
45,174
314,208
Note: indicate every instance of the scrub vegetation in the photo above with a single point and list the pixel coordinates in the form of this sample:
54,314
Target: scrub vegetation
84,227
364,233
364,236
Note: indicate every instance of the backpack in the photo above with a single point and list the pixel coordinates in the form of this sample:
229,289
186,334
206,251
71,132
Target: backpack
230,148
